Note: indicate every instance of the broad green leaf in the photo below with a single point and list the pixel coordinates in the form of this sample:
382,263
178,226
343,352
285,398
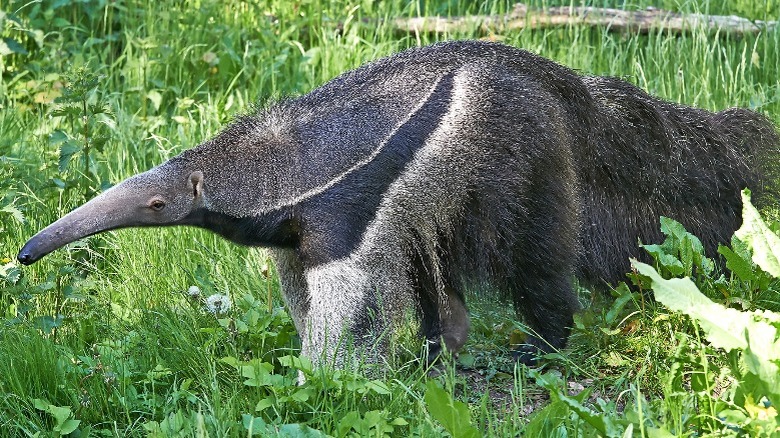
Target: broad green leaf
605,424
759,238
300,363
264,404
302,395
755,333
259,373
549,421
620,302
454,415
47,323
156,98
375,419
671,227
764,365
378,387
232,361
347,422
667,261
254,425
741,267
653,432
10,46
68,426
725,328
67,150
677,293
60,413
687,254
58,137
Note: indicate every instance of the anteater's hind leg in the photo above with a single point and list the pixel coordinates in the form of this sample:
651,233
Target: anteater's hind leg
455,322
541,279
547,301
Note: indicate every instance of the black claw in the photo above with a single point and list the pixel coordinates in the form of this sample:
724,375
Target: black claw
527,354
434,352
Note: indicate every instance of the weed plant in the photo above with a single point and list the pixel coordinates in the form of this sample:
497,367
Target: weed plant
108,337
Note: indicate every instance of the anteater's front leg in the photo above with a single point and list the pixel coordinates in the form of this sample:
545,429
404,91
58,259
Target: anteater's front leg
341,323
330,307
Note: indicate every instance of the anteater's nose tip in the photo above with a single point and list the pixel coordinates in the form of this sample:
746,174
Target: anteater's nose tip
24,258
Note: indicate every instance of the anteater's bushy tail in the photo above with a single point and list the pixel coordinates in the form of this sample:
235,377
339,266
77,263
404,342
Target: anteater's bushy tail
756,137
648,158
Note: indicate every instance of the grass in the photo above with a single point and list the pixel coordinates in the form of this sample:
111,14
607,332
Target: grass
104,334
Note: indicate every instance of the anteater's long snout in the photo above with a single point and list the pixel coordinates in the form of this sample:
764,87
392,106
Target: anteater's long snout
76,225
105,212
38,246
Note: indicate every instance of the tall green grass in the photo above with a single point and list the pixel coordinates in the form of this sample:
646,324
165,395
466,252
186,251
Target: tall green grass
106,328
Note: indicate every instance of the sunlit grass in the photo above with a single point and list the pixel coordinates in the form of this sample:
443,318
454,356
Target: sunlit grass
173,73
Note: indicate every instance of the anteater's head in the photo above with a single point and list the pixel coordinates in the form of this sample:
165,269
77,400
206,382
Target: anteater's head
165,195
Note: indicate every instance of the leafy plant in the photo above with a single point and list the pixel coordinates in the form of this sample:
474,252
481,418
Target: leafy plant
64,423
90,123
762,242
603,420
703,390
751,338
179,423
681,253
454,415
256,426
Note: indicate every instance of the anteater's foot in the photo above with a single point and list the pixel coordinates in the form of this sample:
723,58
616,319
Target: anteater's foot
528,354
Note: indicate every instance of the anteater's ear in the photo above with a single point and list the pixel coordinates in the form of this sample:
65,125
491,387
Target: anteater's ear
196,183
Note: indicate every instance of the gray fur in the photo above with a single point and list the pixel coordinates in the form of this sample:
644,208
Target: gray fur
463,165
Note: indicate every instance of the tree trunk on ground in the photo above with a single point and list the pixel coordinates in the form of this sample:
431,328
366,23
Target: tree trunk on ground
523,17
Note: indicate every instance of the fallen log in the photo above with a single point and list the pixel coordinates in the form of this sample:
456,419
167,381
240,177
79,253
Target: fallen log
642,21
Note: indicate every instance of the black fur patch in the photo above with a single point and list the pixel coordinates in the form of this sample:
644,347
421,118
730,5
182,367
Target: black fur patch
277,228
342,212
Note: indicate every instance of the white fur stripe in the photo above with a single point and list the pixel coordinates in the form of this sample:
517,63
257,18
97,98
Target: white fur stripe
457,113
337,289
338,178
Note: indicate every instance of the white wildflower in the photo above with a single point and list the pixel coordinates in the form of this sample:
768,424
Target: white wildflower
218,304
193,292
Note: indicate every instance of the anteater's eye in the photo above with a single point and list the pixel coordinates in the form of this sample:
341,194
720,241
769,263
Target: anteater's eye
157,205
